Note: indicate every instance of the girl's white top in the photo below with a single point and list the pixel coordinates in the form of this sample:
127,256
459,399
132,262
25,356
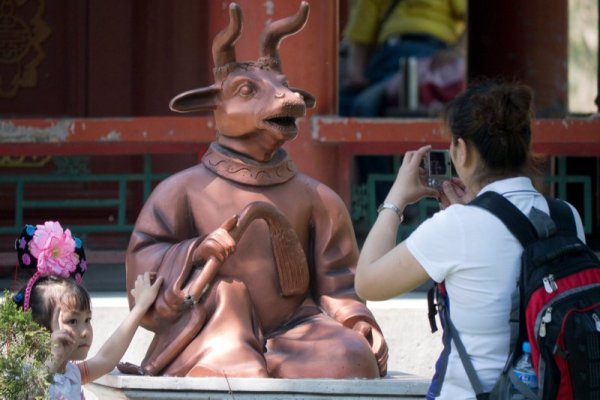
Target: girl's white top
67,386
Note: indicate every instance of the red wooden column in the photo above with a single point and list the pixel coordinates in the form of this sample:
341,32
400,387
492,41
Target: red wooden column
523,40
309,59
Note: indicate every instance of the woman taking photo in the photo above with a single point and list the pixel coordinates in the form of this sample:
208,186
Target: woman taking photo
466,247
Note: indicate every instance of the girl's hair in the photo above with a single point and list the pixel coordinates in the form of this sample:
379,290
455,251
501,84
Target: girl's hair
496,119
52,291
49,250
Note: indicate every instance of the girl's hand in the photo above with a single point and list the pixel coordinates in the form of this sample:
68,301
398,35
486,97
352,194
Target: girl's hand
144,291
453,192
62,342
410,185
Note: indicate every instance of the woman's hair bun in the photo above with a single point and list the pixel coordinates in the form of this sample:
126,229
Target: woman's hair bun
496,118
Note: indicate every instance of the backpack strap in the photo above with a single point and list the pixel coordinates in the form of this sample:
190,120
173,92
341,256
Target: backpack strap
432,307
562,215
450,334
525,231
516,222
466,360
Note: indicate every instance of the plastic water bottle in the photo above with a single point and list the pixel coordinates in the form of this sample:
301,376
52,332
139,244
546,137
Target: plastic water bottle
523,369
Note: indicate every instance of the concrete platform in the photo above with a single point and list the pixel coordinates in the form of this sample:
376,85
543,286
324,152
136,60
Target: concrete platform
413,351
396,386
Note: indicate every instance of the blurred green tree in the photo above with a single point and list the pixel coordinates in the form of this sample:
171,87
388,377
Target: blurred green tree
24,349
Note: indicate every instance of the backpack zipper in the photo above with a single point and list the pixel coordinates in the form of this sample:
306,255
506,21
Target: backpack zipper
547,318
534,280
596,321
549,283
542,313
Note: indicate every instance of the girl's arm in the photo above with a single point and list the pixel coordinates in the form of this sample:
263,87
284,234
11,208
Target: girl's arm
113,349
385,269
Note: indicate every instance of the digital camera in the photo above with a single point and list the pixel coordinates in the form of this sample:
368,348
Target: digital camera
438,167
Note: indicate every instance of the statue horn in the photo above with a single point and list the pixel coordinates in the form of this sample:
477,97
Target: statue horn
277,30
223,47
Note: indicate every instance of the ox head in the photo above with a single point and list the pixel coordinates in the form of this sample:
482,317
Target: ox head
255,109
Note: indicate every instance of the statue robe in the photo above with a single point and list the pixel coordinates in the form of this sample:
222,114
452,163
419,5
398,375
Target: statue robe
251,328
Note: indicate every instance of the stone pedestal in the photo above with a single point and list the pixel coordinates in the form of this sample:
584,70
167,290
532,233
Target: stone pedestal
117,386
413,351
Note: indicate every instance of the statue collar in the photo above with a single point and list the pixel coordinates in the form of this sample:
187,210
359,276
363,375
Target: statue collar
238,168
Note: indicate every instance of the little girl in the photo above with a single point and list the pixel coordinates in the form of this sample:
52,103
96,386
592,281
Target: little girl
58,301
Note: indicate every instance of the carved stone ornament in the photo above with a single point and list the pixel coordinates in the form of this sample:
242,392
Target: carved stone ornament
238,168
21,40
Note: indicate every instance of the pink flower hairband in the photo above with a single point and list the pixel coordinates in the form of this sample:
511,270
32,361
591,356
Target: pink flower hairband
52,251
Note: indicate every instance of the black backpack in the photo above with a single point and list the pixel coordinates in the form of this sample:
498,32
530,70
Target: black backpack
556,306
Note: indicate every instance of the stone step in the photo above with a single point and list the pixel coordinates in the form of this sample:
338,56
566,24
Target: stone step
413,351
395,386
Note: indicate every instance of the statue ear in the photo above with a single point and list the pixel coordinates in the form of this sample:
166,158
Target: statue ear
203,99
309,99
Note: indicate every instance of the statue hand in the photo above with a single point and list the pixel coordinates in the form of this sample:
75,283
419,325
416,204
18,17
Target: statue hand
377,343
219,243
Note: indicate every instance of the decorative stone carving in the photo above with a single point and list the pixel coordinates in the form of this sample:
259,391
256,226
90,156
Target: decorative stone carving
20,46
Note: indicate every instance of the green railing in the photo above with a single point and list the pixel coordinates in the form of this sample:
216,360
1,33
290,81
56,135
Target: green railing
365,202
561,179
147,177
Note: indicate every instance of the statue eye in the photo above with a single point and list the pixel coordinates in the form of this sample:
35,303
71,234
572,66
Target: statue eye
246,90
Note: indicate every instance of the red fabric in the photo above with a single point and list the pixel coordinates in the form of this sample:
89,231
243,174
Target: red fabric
430,91
540,298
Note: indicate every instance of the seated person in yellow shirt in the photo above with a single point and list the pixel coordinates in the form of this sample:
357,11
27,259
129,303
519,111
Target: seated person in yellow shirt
381,32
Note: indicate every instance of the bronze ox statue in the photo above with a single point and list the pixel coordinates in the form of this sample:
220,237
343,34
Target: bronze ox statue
258,259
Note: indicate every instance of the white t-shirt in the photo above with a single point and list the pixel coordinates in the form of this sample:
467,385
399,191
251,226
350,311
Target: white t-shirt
478,258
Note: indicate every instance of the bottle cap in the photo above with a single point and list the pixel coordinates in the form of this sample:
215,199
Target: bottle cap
526,347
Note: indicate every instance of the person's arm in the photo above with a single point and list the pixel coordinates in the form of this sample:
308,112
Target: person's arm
113,349
385,269
358,55
360,35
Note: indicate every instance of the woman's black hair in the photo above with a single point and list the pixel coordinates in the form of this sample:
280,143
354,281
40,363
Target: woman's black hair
496,118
